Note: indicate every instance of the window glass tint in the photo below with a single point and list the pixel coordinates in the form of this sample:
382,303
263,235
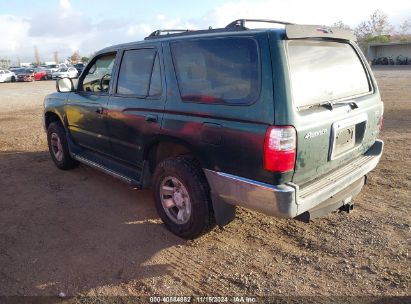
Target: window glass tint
324,71
224,70
155,84
98,76
135,72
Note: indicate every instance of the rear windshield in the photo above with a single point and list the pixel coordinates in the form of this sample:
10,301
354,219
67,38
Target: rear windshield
324,71
223,70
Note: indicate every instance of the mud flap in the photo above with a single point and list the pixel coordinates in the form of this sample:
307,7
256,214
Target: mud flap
224,213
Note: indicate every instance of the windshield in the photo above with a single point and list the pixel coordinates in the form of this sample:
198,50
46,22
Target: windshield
63,70
324,71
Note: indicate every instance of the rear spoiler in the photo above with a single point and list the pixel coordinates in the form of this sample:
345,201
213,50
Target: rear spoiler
297,31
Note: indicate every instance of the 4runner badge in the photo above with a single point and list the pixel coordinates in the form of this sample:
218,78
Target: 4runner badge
310,135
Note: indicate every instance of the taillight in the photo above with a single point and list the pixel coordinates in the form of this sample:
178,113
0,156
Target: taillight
381,122
280,148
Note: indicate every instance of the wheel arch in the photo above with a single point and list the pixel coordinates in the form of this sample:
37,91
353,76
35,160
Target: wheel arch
51,116
163,147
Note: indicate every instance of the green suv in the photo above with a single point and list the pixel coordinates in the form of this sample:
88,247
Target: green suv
283,121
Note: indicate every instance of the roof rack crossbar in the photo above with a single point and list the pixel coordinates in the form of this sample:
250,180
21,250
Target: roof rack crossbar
160,32
241,22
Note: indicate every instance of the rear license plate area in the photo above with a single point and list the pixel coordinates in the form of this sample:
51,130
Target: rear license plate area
345,138
347,135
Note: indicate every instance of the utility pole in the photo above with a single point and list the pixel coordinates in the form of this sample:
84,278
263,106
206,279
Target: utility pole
56,57
36,55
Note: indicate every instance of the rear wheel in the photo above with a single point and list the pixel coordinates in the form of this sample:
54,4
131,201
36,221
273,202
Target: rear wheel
58,147
13,79
182,197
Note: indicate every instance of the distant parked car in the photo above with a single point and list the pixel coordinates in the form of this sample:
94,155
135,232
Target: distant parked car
79,67
70,72
49,73
25,74
6,76
53,67
40,74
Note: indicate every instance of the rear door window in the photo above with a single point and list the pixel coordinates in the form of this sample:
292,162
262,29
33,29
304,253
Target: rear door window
325,71
139,73
222,70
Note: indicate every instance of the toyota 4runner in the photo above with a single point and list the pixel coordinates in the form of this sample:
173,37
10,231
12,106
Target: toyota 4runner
283,121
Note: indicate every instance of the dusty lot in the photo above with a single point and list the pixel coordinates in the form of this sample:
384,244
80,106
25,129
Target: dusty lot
84,233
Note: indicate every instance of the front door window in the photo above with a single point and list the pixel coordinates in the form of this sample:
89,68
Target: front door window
98,76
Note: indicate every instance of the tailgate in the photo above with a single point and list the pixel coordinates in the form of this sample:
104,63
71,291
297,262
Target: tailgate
336,105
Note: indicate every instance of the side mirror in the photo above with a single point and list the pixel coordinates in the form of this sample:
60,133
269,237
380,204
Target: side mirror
64,85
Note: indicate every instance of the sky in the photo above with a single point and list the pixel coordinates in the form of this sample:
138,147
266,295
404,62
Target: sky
65,26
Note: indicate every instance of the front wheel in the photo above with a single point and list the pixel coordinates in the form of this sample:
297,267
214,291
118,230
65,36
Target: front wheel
58,147
181,196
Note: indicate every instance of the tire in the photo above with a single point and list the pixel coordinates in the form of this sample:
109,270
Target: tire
13,79
58,147
190,196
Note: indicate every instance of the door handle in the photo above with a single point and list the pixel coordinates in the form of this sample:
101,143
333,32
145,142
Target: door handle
151,118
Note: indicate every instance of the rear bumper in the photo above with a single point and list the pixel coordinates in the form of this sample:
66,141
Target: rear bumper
290,200
25,78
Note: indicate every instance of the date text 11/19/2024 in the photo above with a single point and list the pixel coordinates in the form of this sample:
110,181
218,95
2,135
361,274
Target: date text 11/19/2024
203,299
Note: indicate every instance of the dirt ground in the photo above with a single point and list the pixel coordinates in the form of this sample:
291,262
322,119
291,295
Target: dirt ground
84,233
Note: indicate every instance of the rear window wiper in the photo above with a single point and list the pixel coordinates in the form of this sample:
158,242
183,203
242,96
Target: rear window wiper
351,103
330,105
327,105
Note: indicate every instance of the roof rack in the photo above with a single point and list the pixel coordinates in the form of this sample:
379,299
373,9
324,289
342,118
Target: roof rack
236,25
240,23
168,32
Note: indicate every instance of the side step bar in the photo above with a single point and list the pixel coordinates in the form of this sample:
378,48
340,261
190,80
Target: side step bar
131,176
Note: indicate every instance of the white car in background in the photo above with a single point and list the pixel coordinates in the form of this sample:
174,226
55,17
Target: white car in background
7,76
70,72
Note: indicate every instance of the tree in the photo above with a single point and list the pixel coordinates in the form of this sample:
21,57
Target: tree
4,63
75,57
56,57
404,30
379,23
405,27
362,31
36,56
341,25
376,29
85,59
377,26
